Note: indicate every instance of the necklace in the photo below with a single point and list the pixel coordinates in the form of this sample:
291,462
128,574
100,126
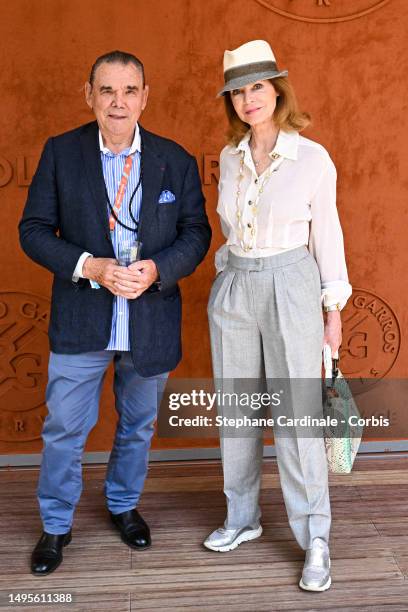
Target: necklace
252,224
257,162
263,156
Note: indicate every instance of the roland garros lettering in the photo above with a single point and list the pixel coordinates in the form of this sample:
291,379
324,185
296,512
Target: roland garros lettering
333,13
23,170
384,318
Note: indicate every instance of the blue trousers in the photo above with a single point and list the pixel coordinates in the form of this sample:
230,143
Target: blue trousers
73,392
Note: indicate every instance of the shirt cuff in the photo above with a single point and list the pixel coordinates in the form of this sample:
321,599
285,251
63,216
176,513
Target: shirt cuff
78,268
221,258
336,292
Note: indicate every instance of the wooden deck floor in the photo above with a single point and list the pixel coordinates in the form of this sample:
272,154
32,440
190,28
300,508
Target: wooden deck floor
182,503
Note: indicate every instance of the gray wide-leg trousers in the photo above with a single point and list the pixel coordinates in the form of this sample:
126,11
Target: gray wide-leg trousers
266,323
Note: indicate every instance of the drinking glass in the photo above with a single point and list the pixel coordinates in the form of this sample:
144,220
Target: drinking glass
129,251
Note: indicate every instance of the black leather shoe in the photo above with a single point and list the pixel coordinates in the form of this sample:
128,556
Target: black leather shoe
47,555
133,529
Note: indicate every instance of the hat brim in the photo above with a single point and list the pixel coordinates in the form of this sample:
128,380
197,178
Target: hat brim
250,78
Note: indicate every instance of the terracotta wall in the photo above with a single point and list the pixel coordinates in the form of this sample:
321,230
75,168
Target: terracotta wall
347,60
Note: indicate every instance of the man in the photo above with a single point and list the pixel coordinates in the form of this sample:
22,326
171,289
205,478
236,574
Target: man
96,187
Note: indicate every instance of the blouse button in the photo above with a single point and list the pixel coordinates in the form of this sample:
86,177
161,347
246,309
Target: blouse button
256,181
250,203
249,225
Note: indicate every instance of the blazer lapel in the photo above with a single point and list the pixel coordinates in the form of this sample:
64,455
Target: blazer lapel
154,167
93,169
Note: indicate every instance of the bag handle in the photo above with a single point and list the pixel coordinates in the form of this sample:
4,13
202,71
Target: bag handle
330,363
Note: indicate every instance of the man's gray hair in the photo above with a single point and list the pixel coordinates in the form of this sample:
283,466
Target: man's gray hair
120,57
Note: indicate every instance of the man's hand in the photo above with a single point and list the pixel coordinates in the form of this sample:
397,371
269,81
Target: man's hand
102,270
132,281
332,330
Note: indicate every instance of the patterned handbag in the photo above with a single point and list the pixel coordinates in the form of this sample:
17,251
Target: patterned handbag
342,440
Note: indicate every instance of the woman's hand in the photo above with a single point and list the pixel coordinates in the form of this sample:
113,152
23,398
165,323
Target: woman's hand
332,330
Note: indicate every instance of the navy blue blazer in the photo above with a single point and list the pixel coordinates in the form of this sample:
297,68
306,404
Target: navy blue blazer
66,214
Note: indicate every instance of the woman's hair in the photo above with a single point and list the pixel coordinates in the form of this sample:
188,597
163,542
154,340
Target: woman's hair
286,115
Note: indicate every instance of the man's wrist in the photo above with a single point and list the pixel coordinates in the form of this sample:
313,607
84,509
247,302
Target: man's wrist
156,281
157,275
87,267
77,274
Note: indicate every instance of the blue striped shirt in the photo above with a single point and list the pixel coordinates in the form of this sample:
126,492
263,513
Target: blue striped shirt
112,165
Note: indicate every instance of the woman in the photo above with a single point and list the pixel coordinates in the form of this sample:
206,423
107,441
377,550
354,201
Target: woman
283,259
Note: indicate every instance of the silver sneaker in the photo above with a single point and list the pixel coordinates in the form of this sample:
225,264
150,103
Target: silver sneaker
316,570
223,540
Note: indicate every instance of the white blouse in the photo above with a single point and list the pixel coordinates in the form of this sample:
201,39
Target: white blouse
297,207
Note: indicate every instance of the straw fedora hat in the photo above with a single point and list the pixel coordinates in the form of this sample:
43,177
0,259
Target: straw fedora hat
253,61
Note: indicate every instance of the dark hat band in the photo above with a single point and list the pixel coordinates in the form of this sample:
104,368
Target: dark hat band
240,71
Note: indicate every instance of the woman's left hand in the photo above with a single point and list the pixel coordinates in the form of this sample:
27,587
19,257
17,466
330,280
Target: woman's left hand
332,330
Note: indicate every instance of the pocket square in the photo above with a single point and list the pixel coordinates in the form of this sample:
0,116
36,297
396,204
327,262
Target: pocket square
166,197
